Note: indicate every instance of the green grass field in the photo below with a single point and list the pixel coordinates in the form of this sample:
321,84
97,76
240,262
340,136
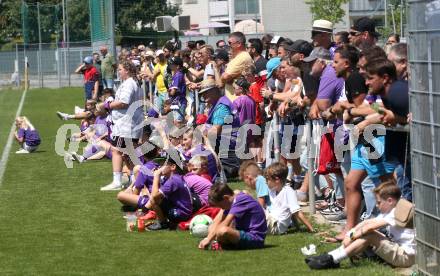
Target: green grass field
56,221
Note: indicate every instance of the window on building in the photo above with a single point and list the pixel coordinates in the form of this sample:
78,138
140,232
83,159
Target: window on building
246,7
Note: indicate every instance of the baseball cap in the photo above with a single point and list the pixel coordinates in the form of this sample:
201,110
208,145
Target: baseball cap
207,85
176,61
301,46
322,26
159,52
149,53
320,53
88,60
365,24
272,65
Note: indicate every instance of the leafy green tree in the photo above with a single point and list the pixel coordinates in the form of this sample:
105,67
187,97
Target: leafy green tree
330,10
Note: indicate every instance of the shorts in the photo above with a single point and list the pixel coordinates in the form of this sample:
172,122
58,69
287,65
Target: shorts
374,168
29,148
172,213
249,241
394,254
143,199
119,142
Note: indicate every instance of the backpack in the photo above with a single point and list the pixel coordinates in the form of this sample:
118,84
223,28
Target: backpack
404,213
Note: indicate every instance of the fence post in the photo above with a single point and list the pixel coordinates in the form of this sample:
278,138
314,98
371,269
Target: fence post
310,164
26,74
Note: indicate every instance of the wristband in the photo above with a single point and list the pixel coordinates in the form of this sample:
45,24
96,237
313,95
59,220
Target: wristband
107,106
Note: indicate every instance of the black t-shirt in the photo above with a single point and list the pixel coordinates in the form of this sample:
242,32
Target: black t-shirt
355,86
311,84
260,65
397,100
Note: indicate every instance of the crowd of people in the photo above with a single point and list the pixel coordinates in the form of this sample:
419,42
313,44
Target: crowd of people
181,123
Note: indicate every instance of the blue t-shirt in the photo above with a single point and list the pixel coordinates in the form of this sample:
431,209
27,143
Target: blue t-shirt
220,112
262,189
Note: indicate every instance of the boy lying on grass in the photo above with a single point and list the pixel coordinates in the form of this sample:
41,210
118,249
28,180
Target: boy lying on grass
240,224
397,248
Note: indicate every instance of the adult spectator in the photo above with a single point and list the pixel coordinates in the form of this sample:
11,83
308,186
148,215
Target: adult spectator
299,50
283,48
363,33
399,56
220,44
341,38
266,39
368,55
221,58
199,44
108,67
255,49
393,39
322,31
240,60
91,78
191,44
125,125
159,76
220,115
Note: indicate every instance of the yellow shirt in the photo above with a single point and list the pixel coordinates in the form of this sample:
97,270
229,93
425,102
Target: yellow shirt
160,83
236,66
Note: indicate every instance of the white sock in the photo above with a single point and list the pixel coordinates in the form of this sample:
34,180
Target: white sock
70,116
338,254
117,177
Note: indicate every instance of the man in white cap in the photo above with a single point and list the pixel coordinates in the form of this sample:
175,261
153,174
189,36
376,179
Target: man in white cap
322,32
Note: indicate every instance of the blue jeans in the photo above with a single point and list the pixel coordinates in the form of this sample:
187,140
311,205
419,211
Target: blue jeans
403,178
108,83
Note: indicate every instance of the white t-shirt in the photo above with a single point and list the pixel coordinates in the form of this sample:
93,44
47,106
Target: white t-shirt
209,71
127,122
405,237
283,206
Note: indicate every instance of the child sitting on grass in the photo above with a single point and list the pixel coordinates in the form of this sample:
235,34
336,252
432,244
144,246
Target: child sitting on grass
240,224
284,204
26,135
251,174
199,165
172,200
398,251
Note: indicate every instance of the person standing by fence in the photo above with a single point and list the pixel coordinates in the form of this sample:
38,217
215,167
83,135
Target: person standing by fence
108,66
91,78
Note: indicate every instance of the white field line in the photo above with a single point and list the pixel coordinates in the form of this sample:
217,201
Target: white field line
7,149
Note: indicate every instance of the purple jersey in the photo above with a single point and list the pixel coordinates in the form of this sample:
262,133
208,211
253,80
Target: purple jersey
101,127
249,216
244,108
201,150
178,83
199,185
177,193
30,137
330,86
145,176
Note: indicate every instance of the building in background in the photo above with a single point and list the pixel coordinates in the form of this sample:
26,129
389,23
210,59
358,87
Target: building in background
287,18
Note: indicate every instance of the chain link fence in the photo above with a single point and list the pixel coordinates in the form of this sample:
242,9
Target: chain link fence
50,65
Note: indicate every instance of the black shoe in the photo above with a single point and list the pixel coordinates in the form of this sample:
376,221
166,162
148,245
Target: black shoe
157,225
323,261
128,208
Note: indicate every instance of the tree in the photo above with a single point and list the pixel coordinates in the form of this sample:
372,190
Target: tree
330,10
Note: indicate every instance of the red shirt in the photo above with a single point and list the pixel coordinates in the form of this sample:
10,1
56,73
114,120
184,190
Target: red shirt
90,74
255,93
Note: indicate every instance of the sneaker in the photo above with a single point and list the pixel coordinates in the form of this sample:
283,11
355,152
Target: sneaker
323,261
22,151
157,225
63,116
337,216
112,187
78,157
332,209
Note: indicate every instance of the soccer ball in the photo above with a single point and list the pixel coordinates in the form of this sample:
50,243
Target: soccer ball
198,227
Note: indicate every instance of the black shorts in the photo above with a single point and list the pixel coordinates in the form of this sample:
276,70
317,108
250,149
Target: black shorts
119,142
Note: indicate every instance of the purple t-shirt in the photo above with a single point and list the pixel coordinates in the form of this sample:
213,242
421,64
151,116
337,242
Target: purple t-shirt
199,185
249,216
330,86
177,194
244,108
145,176
201,150
178,83
30,137
101,126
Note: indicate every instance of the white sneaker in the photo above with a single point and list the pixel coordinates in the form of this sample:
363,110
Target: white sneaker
78,109
68,156
112,187
78,157
21,151
63,116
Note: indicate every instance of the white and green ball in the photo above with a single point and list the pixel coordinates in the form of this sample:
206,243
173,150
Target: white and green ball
198,227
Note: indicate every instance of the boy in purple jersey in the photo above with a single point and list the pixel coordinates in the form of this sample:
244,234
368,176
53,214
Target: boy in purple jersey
26,135
172,200
240,224
177,90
